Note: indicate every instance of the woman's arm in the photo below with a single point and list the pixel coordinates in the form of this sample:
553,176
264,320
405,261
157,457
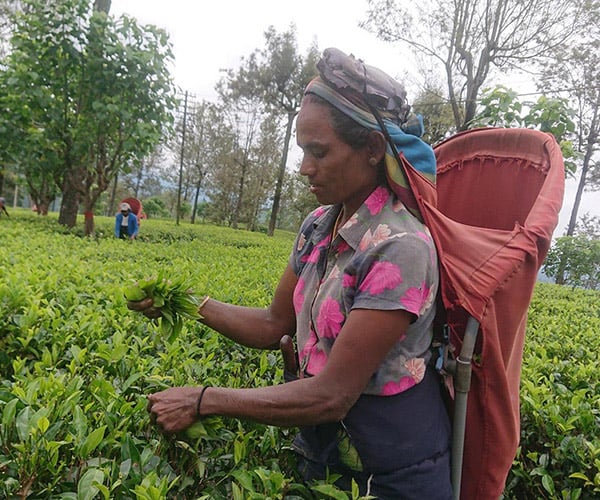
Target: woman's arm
253,327
364,341
256,327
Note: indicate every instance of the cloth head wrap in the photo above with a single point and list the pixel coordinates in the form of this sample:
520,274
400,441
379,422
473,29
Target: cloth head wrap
357,90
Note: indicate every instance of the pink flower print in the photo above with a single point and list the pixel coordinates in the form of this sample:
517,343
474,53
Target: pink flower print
318,212
381,233
414,298
308,346
324,242
416,368
426,237
398,206
427,303
396,387
349,281
351,221
335,273
382,276
301,242
314,254
342,247
299,296
316,361
313,258
376,201
329,321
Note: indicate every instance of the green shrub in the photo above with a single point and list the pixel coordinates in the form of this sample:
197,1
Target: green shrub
559,456
75,366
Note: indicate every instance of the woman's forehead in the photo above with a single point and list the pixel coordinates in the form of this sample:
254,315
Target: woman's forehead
314,112
314,122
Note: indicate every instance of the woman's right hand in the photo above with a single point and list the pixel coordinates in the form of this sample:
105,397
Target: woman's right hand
146,307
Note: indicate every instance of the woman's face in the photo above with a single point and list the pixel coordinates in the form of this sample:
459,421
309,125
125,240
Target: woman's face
336,172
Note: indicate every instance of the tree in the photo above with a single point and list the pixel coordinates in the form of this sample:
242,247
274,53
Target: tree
501,107
575,260
267,154
468,38
437,114
7,11
277,75
578,71
202,119
97,94
223,160
297,202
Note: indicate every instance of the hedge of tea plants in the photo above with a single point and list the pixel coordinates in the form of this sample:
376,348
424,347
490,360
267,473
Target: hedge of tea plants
76,364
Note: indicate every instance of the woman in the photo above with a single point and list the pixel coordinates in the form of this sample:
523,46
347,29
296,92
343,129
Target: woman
358,293
126,223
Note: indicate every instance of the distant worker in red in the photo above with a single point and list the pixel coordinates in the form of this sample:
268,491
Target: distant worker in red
126,223
3,207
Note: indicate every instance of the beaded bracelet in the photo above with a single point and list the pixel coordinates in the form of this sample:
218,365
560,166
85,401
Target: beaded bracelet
200,400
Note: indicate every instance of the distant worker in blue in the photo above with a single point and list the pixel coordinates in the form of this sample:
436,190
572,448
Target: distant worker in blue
126,223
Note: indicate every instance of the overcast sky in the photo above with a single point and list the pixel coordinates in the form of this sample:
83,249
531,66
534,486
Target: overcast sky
210,35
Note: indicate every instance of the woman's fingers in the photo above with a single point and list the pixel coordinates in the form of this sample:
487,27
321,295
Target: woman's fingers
140,305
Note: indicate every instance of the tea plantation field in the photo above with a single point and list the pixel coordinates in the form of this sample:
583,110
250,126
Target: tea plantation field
76,364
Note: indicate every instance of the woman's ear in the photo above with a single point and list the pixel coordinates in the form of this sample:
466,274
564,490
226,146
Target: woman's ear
376,146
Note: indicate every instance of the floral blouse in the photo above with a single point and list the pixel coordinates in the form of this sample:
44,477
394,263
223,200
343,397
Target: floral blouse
382,258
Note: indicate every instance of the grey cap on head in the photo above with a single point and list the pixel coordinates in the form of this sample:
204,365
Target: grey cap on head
125,206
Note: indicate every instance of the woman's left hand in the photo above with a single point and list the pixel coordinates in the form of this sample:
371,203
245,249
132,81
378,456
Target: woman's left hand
174,409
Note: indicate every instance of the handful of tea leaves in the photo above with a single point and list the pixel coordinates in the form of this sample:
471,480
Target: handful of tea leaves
174,297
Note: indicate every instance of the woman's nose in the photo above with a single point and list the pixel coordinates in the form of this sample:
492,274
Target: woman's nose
306,167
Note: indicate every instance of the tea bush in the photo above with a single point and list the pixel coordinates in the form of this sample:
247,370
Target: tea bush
559,456
75,365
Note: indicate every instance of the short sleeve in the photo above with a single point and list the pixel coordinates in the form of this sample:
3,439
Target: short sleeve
398,273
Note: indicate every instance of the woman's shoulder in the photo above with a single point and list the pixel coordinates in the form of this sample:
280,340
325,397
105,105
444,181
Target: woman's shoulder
313,217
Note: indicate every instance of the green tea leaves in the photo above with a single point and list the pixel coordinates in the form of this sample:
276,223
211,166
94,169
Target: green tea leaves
173,296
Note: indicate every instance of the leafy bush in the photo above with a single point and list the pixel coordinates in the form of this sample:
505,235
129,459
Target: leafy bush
559,456
75,366
575,261
155,207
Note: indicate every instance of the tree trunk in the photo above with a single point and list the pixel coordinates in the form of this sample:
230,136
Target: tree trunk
70,200
281,176
577,202
240,198
42,195
102,5
88,225
196,196
592,138
110,210
88,202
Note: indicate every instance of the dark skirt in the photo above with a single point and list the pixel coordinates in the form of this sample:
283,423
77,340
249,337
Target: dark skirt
399,445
